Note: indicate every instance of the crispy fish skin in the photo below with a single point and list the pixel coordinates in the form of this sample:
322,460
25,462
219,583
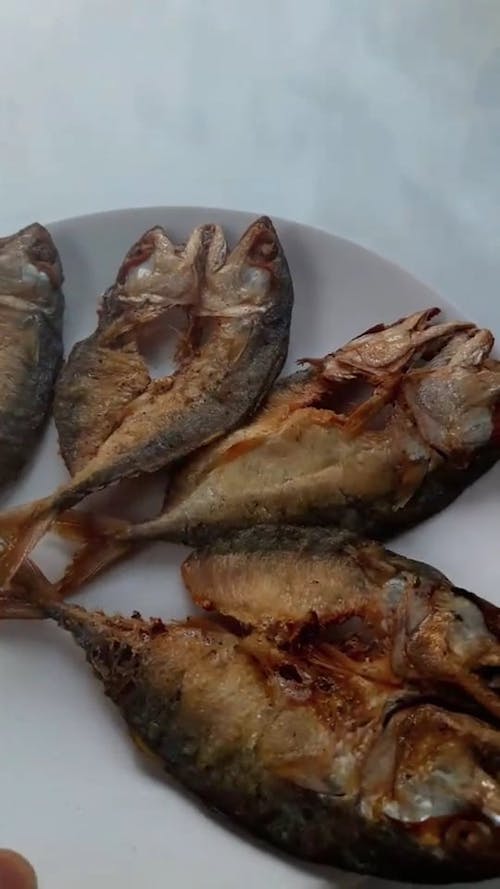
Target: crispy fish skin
247,300
31,348
398,619
318,761
426,426
117,375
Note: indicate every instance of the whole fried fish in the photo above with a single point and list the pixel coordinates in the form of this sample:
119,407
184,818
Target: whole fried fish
31,348
300,738
375,437
243,308
379,435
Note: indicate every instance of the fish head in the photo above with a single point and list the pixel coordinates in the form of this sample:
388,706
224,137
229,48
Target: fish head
157,274
450,638
455,399
436,774
248,279
30,267
387,350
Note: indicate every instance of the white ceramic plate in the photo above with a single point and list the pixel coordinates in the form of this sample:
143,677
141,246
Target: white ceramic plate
75,797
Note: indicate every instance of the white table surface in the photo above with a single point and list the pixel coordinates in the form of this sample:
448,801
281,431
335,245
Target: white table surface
376,119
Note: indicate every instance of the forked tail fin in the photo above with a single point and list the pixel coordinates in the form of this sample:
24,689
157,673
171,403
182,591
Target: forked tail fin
94,557
26,598
22,529
100,548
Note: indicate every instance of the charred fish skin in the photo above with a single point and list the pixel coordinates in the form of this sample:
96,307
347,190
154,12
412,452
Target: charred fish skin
31,320
260,739
425,429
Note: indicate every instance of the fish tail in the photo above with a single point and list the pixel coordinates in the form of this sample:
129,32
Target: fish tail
81,526
26,597
91,560
25,536
100,548
12,519
16,608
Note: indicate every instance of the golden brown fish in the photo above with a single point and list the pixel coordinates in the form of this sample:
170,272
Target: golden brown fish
31,348
244,307
338,740
105,373
379,435
397,620
383,433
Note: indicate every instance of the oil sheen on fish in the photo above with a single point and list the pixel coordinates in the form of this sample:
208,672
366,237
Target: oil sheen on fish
241,304
328,724
379,435
31,347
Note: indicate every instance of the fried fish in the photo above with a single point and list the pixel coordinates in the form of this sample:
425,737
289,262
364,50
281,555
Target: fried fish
375,437
347,742
31,347
243,308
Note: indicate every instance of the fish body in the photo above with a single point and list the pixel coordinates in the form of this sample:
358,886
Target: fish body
373,445
395,619
289,739
105,372
31,348
244,306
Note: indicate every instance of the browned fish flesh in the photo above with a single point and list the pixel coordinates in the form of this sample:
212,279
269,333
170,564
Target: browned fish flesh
31,346
395,619
243,306
327,725
379,435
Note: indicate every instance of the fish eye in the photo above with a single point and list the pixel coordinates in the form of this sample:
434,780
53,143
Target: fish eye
41,251
264,248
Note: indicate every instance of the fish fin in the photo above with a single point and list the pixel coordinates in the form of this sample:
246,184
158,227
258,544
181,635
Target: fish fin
31,579
305,772
82,526
29,532
17,608
12,519
361,417
328,657
28,592
99,551
90,561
